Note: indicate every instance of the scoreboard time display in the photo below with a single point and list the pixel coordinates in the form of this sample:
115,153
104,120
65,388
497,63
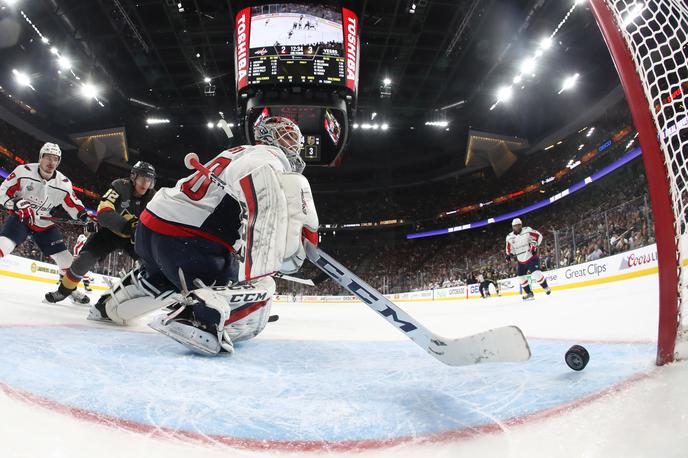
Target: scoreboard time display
296,44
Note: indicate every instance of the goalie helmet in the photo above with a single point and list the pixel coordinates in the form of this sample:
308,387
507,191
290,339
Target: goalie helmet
50,148
143,169
284,134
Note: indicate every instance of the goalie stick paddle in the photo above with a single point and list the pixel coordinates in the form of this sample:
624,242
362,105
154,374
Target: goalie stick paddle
499,345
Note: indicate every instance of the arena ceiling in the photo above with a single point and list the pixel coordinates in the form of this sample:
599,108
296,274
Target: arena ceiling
446,53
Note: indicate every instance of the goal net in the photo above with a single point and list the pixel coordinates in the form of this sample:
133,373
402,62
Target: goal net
648,41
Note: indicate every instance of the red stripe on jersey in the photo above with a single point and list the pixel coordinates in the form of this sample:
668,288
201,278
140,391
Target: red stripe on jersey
13,189
240,313
78,247
508,248
105,209
250,194
70,275
71,204
163,227
535,235
36,228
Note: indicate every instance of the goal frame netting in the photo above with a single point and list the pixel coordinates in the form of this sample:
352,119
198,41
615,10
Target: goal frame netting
639,43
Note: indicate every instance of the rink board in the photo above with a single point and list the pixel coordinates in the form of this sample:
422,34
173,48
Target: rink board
29,269
623,266
297,394
631,264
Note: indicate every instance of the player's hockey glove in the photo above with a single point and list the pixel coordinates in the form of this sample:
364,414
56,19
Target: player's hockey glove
92,226
533,248
130,228
83,216
24,210
509,257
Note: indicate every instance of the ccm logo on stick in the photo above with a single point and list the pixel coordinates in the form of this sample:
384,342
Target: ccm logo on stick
365,295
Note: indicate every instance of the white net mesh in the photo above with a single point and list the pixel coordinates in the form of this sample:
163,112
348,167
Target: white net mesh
656,33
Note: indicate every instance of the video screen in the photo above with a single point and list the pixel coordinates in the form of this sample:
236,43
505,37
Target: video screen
311,148
332,126
296,43
321,128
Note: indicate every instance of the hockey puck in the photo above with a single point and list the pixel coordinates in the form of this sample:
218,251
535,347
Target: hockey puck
273,318
577,357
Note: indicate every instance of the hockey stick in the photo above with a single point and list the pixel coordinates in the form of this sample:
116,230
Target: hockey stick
303,281
505,344
55,219
499,345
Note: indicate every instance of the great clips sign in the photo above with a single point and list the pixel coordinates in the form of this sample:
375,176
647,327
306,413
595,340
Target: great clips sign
241,35
351,47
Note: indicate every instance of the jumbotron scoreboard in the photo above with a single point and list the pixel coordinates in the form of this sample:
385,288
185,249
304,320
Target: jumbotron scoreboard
297,43
299,61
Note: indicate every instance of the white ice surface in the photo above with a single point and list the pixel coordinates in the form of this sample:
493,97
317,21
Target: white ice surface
647,418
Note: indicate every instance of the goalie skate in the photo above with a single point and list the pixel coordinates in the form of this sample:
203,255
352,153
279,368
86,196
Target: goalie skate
195,339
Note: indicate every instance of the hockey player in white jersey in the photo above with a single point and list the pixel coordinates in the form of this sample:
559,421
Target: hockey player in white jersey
197,232
31,193
522,244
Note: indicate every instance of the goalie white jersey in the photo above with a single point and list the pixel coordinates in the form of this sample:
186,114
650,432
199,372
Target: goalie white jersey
521,245
260,218
26,182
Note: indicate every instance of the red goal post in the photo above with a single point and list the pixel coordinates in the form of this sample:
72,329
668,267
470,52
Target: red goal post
648,41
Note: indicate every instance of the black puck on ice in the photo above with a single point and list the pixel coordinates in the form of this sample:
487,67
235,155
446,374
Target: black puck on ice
577,357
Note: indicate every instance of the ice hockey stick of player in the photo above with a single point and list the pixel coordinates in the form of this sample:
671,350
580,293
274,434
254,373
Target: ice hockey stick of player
504,344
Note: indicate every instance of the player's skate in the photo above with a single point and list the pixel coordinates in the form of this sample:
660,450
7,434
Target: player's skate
97,311
77,297
198,322
54,297
528,296
548,290
62,293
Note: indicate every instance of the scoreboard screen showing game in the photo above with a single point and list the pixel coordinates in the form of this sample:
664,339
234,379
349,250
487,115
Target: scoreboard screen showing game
296,44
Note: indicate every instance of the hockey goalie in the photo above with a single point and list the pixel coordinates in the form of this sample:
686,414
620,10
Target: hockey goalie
227,242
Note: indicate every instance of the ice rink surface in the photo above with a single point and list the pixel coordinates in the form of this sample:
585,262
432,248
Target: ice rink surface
335,379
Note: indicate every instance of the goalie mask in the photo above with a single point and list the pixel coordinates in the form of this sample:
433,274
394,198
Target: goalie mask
284,134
